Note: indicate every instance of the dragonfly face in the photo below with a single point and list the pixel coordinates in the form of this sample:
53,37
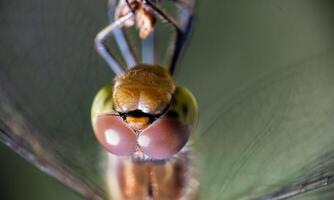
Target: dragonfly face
144,114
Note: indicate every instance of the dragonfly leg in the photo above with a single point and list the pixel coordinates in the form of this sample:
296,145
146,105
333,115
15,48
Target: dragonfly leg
103,50
186,9
147,43
148,49
182,30
122,41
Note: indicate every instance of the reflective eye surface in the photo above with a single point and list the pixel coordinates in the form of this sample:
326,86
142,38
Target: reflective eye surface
164,138
114,135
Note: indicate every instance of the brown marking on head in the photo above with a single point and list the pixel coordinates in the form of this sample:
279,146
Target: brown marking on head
148,89
137,123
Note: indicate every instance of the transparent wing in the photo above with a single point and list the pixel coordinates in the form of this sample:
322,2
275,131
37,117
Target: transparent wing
274,137
263,75
325,193
48,77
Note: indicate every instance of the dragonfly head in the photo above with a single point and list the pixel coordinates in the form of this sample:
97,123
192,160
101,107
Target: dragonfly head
143,114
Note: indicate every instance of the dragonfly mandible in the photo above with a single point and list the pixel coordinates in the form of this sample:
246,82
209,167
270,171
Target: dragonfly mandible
142,118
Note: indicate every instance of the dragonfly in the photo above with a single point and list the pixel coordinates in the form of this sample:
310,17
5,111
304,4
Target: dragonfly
265,99
142,117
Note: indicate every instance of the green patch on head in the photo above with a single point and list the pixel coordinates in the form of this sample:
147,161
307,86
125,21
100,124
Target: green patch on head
103,103
184,106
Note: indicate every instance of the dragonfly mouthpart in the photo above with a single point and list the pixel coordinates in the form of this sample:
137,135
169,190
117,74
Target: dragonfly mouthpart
144,16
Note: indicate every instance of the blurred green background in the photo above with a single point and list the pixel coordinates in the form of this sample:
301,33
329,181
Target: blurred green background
262,71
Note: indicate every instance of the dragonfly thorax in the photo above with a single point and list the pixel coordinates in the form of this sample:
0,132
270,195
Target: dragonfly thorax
144,88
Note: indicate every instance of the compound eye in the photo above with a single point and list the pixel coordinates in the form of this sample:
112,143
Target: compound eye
114,135
164,138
